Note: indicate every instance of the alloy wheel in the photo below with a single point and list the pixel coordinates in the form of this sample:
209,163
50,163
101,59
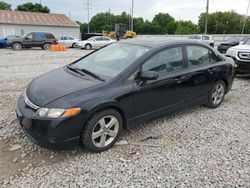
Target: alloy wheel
105,131
218,94
17,46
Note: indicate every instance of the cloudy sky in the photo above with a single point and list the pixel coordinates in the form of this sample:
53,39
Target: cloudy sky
179,9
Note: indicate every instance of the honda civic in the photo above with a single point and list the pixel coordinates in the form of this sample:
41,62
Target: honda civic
92,100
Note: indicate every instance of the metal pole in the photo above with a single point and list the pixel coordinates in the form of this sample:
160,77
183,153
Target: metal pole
244,23
132,16
88,14
206,21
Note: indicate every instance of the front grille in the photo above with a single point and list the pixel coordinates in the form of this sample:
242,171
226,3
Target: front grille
29,103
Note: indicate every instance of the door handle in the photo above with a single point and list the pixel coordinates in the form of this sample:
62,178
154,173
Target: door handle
179,79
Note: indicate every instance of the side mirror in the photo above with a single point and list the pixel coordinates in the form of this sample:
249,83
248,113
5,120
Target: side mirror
149,75
26,38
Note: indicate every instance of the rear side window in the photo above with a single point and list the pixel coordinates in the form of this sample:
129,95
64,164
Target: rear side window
166,61
50,36
198,55
39,36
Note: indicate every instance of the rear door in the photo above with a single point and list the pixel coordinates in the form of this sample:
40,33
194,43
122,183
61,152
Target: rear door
39,39
202,70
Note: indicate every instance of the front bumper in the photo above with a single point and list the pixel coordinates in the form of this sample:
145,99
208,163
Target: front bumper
48,133
242,67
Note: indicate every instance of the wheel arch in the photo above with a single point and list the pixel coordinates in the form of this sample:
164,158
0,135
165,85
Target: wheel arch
109,106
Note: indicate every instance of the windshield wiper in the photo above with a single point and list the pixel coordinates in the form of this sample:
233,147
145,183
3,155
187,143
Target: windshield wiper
81,71
92,74
75,70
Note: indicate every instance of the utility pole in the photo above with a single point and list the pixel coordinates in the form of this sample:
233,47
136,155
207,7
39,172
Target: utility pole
244,23
109,18
88,7
132,16
206,21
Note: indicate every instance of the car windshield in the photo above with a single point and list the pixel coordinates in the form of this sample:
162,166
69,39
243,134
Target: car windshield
111,60
247,42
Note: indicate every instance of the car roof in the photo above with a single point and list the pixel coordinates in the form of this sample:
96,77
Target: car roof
158,42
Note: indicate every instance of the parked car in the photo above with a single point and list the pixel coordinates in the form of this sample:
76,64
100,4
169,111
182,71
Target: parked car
234,41
34,39
208,39
241,56
125,83
4,41
95,42
68,41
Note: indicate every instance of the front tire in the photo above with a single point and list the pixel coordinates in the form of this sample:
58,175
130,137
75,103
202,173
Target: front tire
17,46
217,94
88,47
102,131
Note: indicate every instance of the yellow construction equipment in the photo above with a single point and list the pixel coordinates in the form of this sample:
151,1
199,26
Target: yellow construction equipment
120,32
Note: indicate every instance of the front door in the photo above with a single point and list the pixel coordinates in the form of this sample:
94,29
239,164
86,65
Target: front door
166,93
28,40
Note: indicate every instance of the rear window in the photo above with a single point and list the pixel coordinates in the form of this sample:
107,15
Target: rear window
49,36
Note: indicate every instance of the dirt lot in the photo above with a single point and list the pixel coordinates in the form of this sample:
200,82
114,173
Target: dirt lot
198,147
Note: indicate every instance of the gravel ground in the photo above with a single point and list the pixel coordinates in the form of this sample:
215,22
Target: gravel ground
198,147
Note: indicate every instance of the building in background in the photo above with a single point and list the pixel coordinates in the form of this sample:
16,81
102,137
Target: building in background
20,23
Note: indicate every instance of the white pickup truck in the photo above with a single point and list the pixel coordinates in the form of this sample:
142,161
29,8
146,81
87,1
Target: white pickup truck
241,56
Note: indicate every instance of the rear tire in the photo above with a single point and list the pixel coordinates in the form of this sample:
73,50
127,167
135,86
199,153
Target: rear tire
17,46
217,94
88,47
46,46
102,130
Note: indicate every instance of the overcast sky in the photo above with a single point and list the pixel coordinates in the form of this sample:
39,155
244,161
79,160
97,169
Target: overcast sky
179,9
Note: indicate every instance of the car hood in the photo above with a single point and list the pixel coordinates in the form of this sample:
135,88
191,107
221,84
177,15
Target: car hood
244,47
56,84
229,43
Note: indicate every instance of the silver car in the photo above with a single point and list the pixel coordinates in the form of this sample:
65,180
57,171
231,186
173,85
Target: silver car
95,42
68,41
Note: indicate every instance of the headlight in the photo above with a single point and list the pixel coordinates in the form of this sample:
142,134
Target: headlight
57,113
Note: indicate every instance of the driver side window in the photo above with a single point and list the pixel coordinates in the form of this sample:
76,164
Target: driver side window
166,61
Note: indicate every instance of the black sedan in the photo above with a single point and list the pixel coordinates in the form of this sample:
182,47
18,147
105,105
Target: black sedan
234,41
93,99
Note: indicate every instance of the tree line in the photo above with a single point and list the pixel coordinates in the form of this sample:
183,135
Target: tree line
229,22
30,7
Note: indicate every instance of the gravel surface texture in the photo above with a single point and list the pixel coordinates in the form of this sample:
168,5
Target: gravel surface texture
197,147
